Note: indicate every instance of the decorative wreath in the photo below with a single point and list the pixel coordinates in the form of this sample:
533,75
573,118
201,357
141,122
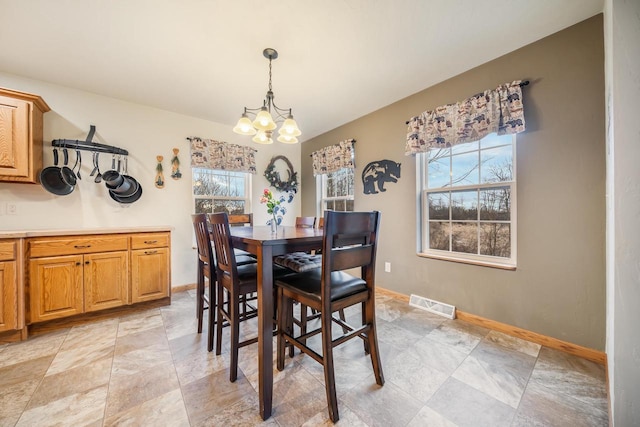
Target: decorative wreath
273,176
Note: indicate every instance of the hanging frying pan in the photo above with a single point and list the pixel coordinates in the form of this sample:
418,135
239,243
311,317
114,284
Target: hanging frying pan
66,172
51,179
130,199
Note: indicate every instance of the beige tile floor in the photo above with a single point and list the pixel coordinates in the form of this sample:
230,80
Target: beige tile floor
150,368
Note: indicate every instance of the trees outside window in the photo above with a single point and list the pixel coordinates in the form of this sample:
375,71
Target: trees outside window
221,191
335,191
468,200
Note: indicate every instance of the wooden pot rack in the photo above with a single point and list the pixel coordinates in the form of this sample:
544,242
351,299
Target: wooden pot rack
88,145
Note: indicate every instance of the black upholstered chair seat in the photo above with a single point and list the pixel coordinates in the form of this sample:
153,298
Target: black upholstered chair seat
299,261
308,284
248,272
244,259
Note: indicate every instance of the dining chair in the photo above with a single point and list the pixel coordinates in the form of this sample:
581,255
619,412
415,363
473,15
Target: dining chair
300,261
206,275
241,220
237,281
305,221
245,219
350,241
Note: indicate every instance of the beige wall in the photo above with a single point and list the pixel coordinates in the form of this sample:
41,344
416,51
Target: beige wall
145,132
622,33
558,288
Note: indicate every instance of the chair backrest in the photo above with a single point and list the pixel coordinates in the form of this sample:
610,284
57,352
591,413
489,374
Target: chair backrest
350,241
203,240
241,219
223,249
305,221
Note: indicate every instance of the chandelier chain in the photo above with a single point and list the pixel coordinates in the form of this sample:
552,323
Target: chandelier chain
270,90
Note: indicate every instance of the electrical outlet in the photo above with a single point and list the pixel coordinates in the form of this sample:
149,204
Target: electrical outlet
387,267
12,209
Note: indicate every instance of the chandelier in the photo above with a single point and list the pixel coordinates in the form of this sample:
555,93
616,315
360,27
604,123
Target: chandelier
263,124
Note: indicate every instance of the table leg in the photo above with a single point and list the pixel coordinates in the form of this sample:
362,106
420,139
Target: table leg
265,330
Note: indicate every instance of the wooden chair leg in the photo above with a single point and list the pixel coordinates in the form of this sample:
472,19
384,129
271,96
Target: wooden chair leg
234,307
212,314
219,318
329,374
284,320
364,322
234,314
368,309
341,315
200,300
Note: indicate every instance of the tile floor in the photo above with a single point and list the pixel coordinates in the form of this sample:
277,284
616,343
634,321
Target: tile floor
150,368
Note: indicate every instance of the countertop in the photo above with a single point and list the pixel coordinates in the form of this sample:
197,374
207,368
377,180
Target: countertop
19,234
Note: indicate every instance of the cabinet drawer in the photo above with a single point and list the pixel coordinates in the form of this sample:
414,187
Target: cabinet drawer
7,250
77,245
149,240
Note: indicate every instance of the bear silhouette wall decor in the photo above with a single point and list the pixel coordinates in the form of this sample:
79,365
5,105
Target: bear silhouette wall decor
375,174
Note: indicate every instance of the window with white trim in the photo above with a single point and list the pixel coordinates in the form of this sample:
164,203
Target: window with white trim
221,191
468,201
335,191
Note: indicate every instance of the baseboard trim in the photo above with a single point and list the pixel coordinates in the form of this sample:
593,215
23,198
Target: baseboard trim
567,347
182,288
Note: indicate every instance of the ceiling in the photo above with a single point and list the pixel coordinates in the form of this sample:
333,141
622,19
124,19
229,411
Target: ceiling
338,59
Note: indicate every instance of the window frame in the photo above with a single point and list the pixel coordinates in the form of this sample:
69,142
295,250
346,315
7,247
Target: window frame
321,191
423,219
247,190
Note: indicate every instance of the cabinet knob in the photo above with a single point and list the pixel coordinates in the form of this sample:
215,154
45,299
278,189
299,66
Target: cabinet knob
82,246
150,242
150,252
78,263
87,262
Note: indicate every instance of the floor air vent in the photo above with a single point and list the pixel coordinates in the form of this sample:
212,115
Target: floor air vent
437,307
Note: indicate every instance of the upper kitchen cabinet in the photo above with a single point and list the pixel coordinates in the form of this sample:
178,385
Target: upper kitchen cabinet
20,136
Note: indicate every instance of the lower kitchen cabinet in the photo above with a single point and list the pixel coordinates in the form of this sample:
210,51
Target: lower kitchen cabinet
11,311
105,280
55,287
149,274
8,296
70,275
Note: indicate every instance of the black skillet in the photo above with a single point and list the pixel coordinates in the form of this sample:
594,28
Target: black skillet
66,172
51,179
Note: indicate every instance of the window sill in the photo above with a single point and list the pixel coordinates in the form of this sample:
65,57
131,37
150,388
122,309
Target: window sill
468,261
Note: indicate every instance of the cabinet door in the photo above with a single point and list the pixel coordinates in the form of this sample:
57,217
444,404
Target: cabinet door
8,296
106,281
14,138
149,274
55,287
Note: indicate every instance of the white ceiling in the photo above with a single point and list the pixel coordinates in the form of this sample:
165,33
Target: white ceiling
338,59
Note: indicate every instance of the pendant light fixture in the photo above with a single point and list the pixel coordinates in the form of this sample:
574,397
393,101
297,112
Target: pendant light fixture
263,124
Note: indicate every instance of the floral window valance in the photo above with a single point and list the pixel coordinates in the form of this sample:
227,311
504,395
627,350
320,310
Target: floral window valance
499,110
334,157
212,154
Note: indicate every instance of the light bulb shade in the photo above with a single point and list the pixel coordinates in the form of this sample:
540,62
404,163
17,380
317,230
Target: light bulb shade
244,126
262,138
289,128
286,139
264,121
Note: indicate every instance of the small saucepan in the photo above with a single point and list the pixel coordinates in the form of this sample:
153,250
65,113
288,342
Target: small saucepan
51,179
112,177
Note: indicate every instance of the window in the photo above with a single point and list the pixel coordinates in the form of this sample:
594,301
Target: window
468,203
335,191
221,191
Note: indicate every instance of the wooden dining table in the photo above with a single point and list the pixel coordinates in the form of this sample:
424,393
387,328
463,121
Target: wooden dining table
265,244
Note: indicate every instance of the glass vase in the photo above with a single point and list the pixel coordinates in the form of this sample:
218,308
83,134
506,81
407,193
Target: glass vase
274,224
